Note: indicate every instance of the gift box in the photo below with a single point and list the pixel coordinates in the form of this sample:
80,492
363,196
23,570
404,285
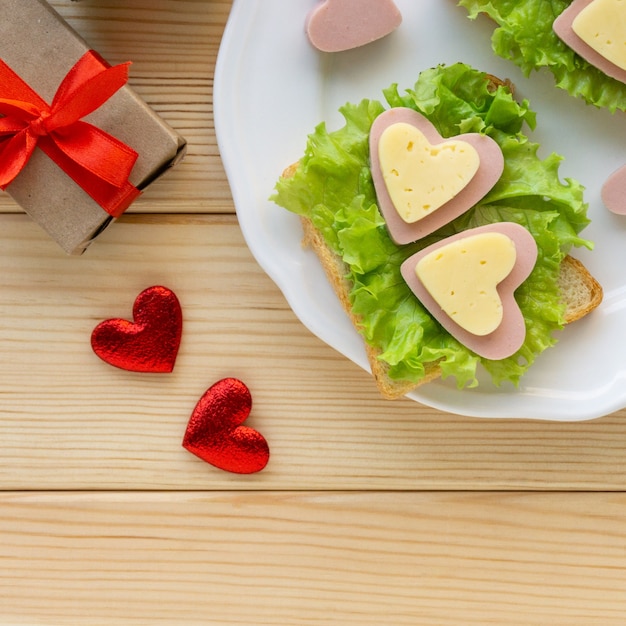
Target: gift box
75,173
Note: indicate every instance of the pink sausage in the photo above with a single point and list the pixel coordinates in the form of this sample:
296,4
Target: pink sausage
509,336
563,28
337,25
490,170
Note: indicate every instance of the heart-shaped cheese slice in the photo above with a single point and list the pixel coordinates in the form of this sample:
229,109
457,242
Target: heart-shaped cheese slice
596,30
420,176
468,281
424,181
602,26
463,278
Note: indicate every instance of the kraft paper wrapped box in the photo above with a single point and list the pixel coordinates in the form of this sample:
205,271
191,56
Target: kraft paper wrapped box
41,48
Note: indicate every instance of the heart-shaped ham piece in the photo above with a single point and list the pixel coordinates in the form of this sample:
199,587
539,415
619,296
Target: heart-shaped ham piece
596,30
150,342
215,432
422,180
337,25
467,282
614,191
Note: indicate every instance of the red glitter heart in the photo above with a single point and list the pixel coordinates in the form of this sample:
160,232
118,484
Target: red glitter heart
215,434
149,343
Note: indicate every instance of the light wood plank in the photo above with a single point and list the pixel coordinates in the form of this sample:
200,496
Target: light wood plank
295,559
163,538
173,45
70,421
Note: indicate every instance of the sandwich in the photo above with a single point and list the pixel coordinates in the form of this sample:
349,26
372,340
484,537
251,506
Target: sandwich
335,189
537,35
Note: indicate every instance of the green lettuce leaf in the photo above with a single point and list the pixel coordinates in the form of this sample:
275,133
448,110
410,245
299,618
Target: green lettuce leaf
524,36
332,186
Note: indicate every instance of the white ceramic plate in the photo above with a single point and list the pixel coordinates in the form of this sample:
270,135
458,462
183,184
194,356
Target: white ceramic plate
272,88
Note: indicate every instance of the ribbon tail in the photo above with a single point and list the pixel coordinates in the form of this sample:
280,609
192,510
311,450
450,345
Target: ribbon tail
86,87
97,152
113,199
14,154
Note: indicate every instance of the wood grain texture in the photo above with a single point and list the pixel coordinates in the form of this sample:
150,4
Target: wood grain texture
369,511
70,421
414,559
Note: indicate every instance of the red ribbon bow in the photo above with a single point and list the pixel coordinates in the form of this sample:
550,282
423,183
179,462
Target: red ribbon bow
95,160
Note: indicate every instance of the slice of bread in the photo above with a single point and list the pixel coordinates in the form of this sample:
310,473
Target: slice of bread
580,290
581,294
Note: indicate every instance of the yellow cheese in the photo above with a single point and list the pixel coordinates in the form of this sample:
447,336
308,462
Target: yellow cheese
462,277
420,177
602,26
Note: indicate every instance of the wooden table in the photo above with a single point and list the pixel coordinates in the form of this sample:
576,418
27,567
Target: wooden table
369,511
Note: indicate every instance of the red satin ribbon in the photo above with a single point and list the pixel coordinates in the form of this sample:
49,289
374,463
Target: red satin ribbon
95,160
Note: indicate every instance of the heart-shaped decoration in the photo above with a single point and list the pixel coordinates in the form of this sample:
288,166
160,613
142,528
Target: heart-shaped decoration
467,282
594,29
463,277
419,176
614,191
150,342
422,180
215,432
337,25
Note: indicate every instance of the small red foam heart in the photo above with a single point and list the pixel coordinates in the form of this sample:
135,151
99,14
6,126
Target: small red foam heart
215,434
149,343
337,25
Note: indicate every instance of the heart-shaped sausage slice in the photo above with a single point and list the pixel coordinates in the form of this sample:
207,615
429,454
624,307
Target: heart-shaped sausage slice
215,432
150,342
424,181
614,191
467,282
595,30
337,25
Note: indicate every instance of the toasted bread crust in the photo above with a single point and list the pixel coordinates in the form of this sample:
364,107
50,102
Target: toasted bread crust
336,272
581,293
